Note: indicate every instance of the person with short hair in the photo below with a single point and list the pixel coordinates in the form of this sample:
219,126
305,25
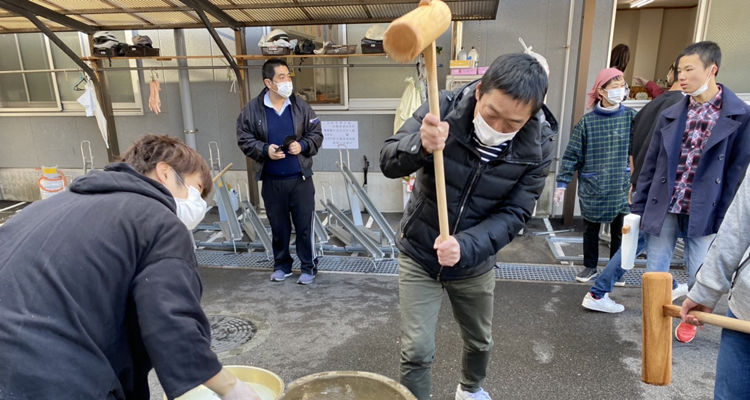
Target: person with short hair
281,132
652,88
99,284
497,141
697,158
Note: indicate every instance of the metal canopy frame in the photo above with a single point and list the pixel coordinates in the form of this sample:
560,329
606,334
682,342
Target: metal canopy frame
171,14
102,15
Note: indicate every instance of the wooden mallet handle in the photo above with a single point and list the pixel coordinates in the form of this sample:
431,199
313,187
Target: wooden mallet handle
710,319
223,171
437,155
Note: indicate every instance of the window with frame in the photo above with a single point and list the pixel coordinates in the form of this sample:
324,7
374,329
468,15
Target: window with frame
319,81
30,84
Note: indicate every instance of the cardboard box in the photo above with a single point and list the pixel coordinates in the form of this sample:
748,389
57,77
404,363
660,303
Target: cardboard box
463,71
462,63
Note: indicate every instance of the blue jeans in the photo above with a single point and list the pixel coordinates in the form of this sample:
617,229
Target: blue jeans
733,365
613,271
661,248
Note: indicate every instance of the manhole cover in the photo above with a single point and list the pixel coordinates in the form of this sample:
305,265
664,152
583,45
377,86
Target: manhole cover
228,332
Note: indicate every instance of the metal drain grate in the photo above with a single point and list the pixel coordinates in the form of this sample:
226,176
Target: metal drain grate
228,333
505,271
327,263
554,273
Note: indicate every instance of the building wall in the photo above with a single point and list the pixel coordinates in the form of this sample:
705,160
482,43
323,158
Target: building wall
677,31
30,142
655,37
627,23
727,26
649,33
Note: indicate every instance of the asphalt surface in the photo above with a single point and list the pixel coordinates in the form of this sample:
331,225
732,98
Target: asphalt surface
546,345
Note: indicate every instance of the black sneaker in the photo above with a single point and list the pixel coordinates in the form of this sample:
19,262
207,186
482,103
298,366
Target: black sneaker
587,274
620,282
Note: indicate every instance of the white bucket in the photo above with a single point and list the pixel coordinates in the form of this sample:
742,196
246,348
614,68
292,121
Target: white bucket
51,182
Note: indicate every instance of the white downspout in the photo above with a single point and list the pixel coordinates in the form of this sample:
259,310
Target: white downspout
558,155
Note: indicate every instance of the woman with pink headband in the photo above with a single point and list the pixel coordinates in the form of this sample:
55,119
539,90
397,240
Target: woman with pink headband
598,150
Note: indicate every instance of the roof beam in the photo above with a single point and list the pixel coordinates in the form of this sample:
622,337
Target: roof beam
208,7
22,7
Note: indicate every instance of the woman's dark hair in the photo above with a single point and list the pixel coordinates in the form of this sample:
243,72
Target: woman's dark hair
620,57
152,149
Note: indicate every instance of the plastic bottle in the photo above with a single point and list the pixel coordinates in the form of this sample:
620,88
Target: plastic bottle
461,54
474,56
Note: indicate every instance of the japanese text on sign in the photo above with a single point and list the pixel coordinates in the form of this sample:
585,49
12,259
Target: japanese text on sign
340,132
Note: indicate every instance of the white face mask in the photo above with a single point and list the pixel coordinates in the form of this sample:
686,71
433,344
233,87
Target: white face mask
192,210
615,96
285,89
703,88
489,136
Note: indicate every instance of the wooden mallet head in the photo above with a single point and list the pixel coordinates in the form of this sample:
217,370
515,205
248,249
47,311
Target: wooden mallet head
410,34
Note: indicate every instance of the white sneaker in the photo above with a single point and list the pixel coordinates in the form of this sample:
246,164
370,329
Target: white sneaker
605,304
464,395
679,291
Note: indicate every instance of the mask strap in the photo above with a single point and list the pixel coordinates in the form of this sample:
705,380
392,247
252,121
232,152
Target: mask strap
179,178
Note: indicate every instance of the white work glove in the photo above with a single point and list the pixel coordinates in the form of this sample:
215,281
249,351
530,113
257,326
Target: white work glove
559,196
241,391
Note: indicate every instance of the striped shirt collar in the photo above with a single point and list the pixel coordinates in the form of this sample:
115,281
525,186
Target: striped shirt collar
489,153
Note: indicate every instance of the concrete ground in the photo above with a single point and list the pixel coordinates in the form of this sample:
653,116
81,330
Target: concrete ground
546,345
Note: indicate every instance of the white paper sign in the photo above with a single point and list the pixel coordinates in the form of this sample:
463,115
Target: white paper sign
340,132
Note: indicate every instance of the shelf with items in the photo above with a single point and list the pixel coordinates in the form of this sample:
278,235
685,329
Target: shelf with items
246,57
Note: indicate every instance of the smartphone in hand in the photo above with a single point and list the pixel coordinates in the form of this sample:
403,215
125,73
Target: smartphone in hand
287,142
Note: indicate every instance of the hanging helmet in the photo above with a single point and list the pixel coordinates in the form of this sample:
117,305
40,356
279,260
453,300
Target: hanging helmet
277,34
105,40
375,32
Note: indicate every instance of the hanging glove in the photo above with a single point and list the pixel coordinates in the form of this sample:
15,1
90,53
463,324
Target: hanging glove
559,196
154,102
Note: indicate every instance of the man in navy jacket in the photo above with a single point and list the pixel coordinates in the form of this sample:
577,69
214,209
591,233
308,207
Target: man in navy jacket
696,160
264,129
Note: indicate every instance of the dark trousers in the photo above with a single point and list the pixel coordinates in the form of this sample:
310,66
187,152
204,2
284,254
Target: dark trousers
293,198
591,240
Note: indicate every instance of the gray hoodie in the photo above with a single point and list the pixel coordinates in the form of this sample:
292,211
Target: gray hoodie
724,269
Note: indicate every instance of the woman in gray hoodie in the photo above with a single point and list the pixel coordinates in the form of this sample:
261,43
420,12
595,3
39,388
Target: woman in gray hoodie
724,272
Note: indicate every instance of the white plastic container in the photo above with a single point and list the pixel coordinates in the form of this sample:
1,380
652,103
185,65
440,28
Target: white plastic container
461,54
630,231
473,56
51,182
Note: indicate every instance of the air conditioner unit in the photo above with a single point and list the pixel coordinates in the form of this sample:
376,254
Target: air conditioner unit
453,82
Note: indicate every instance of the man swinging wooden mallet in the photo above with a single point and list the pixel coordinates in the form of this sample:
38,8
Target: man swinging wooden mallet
494,139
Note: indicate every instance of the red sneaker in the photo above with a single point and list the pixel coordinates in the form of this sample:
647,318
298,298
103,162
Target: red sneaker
685,333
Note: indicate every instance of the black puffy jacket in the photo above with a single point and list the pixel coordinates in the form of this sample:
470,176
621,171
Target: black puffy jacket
488,204
252,132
